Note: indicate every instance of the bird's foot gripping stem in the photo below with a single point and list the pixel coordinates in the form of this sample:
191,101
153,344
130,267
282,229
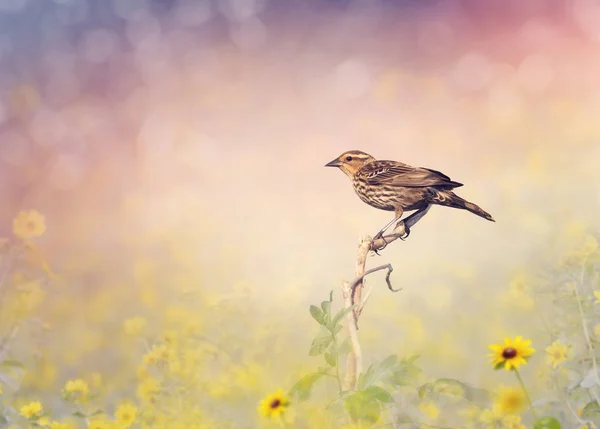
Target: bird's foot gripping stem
406,229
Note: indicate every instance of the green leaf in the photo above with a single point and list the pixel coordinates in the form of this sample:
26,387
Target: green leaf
11,363
444,386
379,394
547,423
79,414
317,314
362,407
403,373
591,410
340,314
331,355
303,387
320,344
375,372
326,307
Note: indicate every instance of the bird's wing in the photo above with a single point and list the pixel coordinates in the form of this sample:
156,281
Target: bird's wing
402,175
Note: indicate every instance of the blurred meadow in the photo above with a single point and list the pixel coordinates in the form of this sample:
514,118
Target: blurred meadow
167,221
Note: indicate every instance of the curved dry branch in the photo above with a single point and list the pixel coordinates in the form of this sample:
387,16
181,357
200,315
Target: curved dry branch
360,278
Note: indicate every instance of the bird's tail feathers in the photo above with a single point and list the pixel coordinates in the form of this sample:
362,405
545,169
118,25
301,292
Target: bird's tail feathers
450,199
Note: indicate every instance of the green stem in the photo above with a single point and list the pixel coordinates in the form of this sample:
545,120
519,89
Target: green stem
526,395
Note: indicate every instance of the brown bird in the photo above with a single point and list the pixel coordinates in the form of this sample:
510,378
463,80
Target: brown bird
397,187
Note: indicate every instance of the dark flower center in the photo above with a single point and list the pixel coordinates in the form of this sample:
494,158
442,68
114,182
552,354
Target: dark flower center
509,353
275,403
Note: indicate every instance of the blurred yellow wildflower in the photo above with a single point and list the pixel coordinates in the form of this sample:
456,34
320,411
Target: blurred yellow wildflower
31,410
512,422
125,415
519,293
99,424
491,417
429,409
511,354
509,400
470,413
76,388
30,297
557,353
597,296
148,389
273,405
158,354
29,224
597,330
134,326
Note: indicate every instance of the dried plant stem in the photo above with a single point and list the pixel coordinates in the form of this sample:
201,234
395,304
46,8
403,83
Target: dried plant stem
353,292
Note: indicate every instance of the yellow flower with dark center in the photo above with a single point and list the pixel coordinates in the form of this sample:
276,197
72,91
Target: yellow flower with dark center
29,224
125,415
509,400
274,405
557,353
511,354
31,410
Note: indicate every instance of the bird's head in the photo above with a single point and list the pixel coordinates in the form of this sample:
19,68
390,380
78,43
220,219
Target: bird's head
350,162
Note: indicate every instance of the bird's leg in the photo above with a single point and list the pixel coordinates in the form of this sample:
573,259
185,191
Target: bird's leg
411,220
385,228
399,211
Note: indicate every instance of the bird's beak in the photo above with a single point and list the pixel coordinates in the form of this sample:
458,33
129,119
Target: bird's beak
335,163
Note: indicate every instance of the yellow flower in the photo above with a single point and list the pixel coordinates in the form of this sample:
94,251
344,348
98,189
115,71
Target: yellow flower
491,417
512,422
512,353
273,405
31,410
148,389
29,224
76,388
98,424
429,408
158,354
134,325
557,353
597,330
509,400
597,295
125,415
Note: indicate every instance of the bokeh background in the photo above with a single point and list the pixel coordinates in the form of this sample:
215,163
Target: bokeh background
176,149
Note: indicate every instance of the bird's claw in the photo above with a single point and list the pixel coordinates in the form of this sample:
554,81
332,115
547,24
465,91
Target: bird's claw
385,243
404,237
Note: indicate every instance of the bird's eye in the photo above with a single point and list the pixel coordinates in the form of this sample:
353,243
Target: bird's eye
348,158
